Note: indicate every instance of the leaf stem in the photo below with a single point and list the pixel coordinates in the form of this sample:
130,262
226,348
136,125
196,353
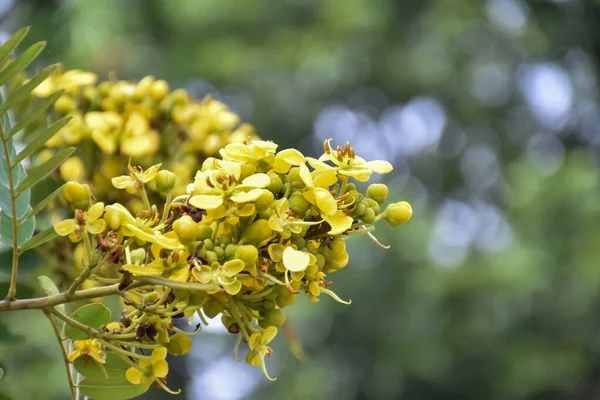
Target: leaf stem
12,290
63,352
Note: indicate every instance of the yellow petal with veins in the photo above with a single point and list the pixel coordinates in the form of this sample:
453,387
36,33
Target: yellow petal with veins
325,201
295,260
339,223
206,201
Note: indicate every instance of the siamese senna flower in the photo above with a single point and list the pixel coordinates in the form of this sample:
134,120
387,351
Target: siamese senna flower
85,221
136,178
214,187
152,370
89,348
71,81
222,275
258,349
105,129
254,152
347,164
317,193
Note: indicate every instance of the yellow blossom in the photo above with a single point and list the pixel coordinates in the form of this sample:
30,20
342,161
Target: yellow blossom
88,348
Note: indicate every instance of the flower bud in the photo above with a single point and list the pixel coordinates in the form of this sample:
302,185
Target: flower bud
298,204
377,192
72,169
76,194
373,204
276,184
159,90
185,228
138,256
230,324
274,317
212,307
219,251
369,216
258,231
165,181
211,256
398,213
247,253
65,104
204,232
230,250
264,200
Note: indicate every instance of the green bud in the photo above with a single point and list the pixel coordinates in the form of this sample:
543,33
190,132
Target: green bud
212,307
268,304
229,323
369,216
360,210
353,197
77,195
298,204
230,251
258,231
186,229
294,175
212,256
204,232
398,213
247,253
138,256
220,252
273,317
208,244
276,184
350,187
165,181
224,241
264,200
378,192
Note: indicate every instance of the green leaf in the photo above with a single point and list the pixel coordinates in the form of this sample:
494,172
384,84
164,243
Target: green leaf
34,114
24,90
38,239
40,137
25,231
38,173
115,369
93,315
49,288
22,201
99,390
13,42
21,62
43,203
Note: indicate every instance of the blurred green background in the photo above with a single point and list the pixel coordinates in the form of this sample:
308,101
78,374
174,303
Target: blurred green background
490,112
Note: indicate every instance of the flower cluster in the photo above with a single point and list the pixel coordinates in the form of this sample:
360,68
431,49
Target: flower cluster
254,229
114,120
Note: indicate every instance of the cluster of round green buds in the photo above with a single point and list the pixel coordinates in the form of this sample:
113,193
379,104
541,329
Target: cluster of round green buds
256,228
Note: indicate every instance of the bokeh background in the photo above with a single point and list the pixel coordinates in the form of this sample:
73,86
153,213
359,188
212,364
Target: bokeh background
490,113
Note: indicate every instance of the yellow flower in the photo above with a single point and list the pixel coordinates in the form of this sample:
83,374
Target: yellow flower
137,177
88,348
213,187
295,260
105,128
223,275
71,81
84,221
259,349
254,152
138,139
317,193
347,164
151,370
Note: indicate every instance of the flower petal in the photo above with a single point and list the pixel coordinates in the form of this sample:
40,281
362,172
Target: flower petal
291,156
325,201
95,212
150,173
134,375
160,368
96,227
233,267
319,165
121,182
206,201
360,174
295,260
305,176
379,166
268,335
325,178
64,228
233,288
244,197
256,181
339,223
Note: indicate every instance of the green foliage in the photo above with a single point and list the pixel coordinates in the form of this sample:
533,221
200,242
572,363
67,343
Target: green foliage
93,315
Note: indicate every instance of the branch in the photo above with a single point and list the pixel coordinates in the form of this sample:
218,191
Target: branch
62,298
64,354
